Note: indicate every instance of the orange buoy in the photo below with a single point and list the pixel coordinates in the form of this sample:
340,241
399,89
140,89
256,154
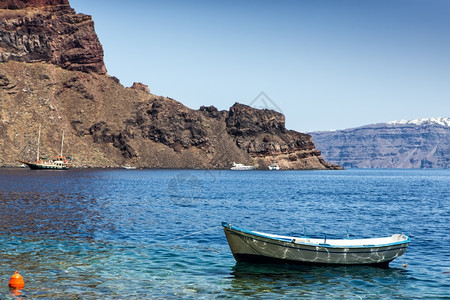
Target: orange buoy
16,281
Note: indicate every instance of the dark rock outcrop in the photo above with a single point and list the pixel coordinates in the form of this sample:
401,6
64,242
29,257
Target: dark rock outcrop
53,33
21,4
263,135
388,145
169,122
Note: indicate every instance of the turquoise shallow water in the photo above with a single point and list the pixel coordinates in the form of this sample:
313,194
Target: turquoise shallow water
95,234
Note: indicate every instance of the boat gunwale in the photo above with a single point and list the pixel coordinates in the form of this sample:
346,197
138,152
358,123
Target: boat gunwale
322,245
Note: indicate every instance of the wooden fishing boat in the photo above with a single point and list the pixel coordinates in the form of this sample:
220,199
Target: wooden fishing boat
253,246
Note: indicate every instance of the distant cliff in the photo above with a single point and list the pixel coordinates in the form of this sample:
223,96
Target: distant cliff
52,74
421,143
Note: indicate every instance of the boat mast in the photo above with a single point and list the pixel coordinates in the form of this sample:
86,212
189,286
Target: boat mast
62,144
39,143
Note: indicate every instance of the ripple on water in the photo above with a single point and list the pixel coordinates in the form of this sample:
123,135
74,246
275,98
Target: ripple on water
120,234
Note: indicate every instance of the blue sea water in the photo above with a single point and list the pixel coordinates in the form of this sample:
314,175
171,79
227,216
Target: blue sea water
133,234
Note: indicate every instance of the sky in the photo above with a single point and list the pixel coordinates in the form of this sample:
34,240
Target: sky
325,64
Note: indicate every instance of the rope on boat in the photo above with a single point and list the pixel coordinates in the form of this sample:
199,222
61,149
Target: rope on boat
404,263
194,233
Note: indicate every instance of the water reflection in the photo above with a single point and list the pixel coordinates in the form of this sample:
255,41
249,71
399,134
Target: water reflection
298,280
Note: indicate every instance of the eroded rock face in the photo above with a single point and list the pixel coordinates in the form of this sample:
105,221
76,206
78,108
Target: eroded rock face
21,4
53,33
263,135
246,121
420,146
141,87
167,121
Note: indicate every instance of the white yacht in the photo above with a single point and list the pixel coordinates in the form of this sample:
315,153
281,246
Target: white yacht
241,167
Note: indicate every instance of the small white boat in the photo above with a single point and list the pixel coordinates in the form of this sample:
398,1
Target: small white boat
241,167
129,168
274,167
253,246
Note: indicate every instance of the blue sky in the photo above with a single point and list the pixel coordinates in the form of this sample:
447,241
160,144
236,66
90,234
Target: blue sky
326,64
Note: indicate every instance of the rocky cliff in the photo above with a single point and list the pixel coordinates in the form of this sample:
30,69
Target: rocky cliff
421,143
49,31
52,75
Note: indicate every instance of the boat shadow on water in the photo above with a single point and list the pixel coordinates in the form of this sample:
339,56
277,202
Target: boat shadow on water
252,279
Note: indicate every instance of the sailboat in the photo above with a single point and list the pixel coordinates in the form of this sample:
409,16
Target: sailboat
57,163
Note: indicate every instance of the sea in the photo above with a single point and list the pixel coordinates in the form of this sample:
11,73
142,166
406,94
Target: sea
152,234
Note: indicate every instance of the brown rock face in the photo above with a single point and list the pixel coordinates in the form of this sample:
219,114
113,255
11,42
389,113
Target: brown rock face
21,4
141,87
108,125
53,33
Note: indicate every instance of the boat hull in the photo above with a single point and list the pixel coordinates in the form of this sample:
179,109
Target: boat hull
249,247
47,166
257,259
245,168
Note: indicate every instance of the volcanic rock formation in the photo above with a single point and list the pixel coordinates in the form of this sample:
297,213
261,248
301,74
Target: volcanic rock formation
49,31
52,74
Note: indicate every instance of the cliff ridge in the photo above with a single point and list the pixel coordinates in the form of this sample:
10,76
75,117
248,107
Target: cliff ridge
421,144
